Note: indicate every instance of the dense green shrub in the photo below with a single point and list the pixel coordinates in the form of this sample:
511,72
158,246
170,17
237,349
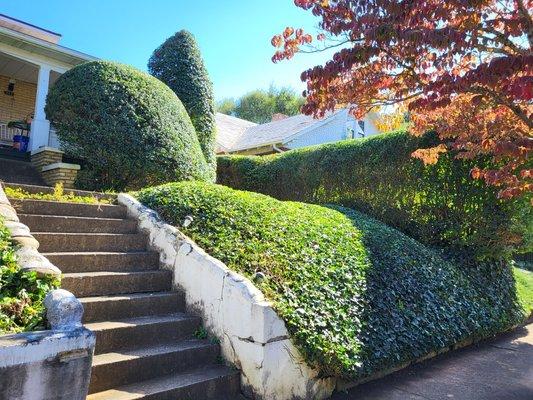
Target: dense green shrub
129,128
357,296
439,205
178,63
21,293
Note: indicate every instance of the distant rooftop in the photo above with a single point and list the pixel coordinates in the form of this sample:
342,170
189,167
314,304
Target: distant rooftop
235,134
29,29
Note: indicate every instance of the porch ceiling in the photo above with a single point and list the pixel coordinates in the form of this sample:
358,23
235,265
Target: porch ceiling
17,69
21,70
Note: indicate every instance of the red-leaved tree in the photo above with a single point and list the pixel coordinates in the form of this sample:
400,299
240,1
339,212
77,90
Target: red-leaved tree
464,67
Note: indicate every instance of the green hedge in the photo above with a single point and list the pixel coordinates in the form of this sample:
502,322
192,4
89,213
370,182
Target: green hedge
178,63
439,205
357,296
129,128
21,293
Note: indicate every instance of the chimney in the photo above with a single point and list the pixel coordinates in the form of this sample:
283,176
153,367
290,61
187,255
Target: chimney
278,117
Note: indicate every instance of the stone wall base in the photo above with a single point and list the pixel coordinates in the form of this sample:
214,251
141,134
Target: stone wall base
60,173
45,156
49,162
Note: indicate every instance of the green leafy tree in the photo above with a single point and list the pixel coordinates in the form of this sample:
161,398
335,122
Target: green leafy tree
129,128
227,106
259,105
178,63
286,100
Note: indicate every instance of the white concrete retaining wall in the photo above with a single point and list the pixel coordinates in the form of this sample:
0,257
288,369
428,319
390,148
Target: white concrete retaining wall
251,334
45,365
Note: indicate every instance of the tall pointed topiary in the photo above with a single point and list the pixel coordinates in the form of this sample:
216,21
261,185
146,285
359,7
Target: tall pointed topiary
178,63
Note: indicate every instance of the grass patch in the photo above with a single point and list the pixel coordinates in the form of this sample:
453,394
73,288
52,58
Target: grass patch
21,293
357,296
524,288
59,194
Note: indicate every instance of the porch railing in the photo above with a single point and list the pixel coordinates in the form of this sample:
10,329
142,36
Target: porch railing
6,133
53,140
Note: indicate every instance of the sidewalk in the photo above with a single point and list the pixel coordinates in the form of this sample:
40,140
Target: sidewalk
500,369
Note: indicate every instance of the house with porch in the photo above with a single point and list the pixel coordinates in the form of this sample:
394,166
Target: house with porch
31,60
237,136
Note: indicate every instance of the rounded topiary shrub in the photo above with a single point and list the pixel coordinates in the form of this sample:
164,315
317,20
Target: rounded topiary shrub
129,128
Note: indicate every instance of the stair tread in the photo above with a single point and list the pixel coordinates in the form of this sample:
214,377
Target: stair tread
99,205
114,273
86,234
113,357
138,321
127,296
103,219
95,253
162,384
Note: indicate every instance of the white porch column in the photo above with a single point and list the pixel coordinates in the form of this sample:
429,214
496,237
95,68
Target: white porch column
40,126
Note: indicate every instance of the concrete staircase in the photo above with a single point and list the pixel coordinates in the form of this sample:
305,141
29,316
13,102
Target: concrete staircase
145,346
19,171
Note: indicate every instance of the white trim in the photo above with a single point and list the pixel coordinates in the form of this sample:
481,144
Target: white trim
46,148
39,43
60,165
32,58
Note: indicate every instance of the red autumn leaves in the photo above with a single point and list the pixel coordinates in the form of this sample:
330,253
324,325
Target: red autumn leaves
465,68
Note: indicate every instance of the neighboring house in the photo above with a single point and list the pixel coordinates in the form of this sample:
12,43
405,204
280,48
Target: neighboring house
237,136
31,60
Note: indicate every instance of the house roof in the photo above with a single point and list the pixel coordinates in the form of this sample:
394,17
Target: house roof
29,29
239,134
229,130
39,41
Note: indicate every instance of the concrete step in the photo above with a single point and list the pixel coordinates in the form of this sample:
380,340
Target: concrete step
17,171
103,308
69,242
42,207
211,383
136,332
86,284
120,368
36,189
69,262
69,224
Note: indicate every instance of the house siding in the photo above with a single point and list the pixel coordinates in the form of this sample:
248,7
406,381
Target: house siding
333,131
21,104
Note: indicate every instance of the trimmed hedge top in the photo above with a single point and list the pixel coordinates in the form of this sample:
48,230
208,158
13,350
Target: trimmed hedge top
129,128
178,62
439,205
21,293
357,296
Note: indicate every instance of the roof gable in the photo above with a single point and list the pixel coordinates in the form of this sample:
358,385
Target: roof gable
235,134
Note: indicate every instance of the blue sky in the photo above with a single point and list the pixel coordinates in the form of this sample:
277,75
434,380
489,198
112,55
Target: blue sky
234,35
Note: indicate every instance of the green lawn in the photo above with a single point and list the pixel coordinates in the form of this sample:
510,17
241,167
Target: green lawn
524,288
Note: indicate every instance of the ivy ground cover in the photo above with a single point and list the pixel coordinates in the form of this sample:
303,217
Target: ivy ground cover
21,292
357,296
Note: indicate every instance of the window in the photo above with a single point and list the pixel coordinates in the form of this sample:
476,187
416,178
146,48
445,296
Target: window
361,131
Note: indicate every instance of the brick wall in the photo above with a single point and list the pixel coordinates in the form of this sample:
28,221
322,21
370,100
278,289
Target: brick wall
44,157
19,105
60,173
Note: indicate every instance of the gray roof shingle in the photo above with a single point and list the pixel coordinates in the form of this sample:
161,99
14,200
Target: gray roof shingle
236,134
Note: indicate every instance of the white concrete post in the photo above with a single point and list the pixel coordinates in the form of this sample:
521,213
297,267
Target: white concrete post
40,126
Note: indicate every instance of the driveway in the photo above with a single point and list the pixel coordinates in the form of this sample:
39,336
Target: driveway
500,369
